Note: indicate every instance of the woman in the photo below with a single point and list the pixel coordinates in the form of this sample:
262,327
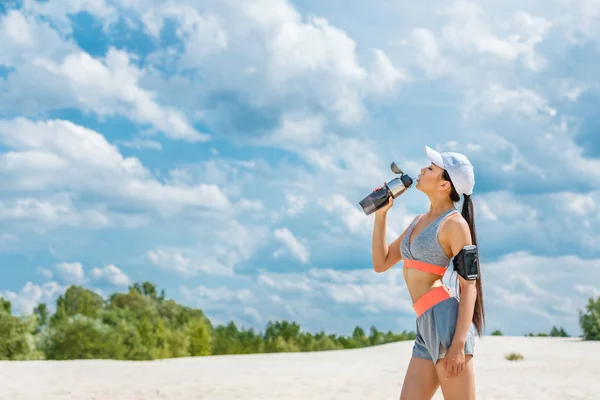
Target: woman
446,323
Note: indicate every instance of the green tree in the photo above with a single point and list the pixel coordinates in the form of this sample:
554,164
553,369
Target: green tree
80,337
77,301
375,337
200,338
5,305
41,313
556,332
590,320
16,341
227,340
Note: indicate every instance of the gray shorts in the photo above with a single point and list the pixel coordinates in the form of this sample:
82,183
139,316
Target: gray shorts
435,330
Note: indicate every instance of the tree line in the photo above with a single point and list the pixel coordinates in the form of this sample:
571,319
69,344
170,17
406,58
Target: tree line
142,324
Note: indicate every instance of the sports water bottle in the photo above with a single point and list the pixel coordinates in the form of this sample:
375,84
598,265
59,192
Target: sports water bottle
394,188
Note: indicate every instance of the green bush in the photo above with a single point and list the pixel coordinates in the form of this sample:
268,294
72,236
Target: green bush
16,339
514,356
590,320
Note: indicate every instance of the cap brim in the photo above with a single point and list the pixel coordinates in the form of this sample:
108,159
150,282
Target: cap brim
434,156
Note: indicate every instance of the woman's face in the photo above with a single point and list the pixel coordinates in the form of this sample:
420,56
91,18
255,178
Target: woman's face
429,178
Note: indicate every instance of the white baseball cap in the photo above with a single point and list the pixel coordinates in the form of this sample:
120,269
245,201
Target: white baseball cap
458,166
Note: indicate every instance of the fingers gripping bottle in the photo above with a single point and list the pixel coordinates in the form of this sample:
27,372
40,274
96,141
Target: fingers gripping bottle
394,188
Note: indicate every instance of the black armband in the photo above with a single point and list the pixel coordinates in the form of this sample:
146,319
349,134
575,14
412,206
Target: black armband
466,262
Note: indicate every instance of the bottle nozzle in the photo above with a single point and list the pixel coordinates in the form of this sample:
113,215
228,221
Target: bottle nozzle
395,169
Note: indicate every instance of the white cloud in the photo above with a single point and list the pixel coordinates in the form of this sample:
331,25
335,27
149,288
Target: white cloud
383,74
323,55
352,217
473,33
112,274
371,297
587,290
292,245
371,291
60,11
275,282
139,143
46,273
25,37
249,205
201,34
31,295
54,211
253,313
497,99
71,273
216,295
526,292
296,204
296,131
175,260
287,56
221,245
111,86
61,156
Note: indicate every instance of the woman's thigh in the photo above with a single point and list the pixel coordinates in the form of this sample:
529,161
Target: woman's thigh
460,387
420,381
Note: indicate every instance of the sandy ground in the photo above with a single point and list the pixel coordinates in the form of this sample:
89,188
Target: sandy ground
553,368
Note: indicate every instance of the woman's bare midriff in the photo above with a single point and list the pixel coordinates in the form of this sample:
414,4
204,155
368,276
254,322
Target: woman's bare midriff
420,282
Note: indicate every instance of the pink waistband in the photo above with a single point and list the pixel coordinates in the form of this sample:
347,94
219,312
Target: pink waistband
431,298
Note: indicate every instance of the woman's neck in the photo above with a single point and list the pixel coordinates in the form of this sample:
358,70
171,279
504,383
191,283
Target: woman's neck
439,206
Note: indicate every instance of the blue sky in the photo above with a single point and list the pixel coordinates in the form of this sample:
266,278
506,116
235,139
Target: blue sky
220,149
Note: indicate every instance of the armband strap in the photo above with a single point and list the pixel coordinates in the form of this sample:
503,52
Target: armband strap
466,262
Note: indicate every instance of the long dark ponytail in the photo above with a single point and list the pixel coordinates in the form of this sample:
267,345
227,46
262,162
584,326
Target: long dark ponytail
468,213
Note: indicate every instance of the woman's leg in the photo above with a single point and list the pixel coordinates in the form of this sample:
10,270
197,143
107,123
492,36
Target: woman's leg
420,381
461,387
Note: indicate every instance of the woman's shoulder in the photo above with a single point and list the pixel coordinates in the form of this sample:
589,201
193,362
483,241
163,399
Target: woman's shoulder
455,225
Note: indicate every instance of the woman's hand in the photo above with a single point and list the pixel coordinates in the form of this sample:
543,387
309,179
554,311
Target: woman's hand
454,361
389,204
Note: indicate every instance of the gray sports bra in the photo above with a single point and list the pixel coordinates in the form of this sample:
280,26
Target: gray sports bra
425,246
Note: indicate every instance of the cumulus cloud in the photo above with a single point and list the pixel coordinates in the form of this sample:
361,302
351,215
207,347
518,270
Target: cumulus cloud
31,295
25,37
59,12
217,295
467,31
500,100
291,245
174,260
543,294
220,247
111,86
70,159
111,274
71,273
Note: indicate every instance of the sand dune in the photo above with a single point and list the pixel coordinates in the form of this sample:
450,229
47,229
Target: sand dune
553,368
